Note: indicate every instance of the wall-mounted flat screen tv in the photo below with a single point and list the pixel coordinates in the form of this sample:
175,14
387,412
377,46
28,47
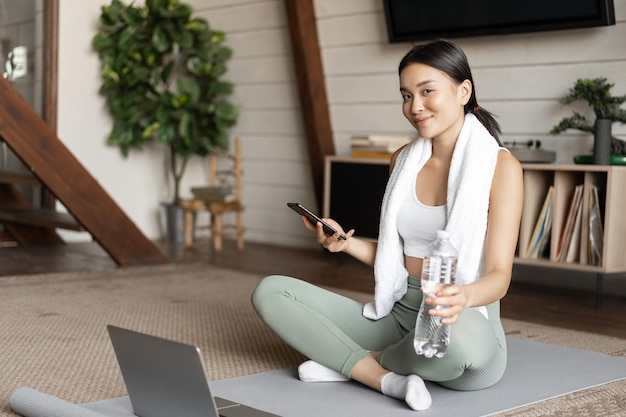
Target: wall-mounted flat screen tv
414,20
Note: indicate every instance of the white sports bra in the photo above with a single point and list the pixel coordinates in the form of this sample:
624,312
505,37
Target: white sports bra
418,224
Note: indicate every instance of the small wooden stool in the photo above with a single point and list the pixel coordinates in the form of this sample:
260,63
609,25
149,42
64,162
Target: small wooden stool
232,176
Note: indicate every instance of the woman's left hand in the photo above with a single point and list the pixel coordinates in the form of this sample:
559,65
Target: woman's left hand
453,300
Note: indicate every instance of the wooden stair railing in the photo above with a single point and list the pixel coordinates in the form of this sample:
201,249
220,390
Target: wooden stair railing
94,211
26,224
18,227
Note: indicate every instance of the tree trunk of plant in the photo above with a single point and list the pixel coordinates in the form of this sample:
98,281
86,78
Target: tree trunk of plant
177,173
602,142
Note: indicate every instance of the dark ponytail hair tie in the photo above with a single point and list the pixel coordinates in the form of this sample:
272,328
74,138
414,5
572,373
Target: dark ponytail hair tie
476,108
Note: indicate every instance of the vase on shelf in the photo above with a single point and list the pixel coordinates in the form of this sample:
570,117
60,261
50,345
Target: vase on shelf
602,142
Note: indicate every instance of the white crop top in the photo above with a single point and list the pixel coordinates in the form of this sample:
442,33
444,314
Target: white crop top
418,224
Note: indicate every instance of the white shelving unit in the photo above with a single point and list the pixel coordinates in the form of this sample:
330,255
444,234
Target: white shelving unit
610,180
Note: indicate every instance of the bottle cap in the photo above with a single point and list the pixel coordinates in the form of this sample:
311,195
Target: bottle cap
443,234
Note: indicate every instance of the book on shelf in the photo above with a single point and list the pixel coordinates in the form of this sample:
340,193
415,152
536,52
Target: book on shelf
375,149
358,153
571,231
596,232
378,143
373,140
573,249
543,227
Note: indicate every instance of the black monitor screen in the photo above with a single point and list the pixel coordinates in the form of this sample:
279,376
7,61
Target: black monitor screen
356,194
409,20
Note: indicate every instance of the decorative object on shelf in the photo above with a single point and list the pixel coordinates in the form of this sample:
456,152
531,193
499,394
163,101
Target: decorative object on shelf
377,146
530,151
602,141
162,78
607,109
588,159
211,194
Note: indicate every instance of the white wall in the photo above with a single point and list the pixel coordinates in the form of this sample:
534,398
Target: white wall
276,161
136,183
518,77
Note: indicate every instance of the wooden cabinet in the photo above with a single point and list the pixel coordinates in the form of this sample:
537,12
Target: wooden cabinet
610,183
354,188
353,192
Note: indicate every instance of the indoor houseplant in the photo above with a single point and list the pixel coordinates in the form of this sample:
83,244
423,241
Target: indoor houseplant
607,108
162,72
162,78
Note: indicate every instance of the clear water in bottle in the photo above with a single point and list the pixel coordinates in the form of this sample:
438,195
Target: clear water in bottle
438,270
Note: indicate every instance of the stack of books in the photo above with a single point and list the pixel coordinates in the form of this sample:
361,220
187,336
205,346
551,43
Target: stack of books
376,146
577,241
214,194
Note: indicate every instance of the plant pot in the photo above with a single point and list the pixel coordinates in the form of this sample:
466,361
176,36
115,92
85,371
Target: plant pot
602,141
174,223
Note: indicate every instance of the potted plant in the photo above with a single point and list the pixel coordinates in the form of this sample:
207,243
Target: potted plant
162,78
607,108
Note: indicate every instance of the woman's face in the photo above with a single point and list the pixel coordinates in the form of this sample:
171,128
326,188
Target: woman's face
433,102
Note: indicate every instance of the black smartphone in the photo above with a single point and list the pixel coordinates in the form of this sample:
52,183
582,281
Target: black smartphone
314,218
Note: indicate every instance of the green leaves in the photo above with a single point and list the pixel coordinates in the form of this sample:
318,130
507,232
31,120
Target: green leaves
161,72
102,41
198,26
596,93
226,113
161,40
577,121
189,87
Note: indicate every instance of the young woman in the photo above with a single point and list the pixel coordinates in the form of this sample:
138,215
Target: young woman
455,176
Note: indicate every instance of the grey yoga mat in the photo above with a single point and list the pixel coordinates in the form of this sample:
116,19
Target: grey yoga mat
32,403
535,372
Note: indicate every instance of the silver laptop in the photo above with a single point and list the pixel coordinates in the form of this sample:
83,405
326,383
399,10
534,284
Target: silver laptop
166,378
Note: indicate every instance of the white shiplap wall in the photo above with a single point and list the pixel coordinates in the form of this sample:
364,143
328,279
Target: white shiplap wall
518,77
276,167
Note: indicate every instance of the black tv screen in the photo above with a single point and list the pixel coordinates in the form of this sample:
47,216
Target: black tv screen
413,20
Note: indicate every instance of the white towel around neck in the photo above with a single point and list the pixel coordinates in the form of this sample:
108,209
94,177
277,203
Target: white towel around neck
469,184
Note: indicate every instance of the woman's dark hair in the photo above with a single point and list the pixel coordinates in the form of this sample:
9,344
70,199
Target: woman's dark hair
449,58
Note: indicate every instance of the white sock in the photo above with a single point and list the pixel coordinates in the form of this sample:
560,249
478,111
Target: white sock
410,388
311,371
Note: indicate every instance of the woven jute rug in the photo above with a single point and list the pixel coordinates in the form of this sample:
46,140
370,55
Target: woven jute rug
53,336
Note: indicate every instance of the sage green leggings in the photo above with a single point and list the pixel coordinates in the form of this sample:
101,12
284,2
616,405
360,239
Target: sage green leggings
331,329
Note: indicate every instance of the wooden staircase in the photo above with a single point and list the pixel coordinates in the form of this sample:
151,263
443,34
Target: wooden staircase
55,169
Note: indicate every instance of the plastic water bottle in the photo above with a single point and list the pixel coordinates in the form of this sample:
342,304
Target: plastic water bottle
438,270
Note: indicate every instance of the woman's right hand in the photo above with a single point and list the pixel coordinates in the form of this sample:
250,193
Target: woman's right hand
333,243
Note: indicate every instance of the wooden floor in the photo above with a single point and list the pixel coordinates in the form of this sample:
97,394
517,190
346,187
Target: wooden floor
549,306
